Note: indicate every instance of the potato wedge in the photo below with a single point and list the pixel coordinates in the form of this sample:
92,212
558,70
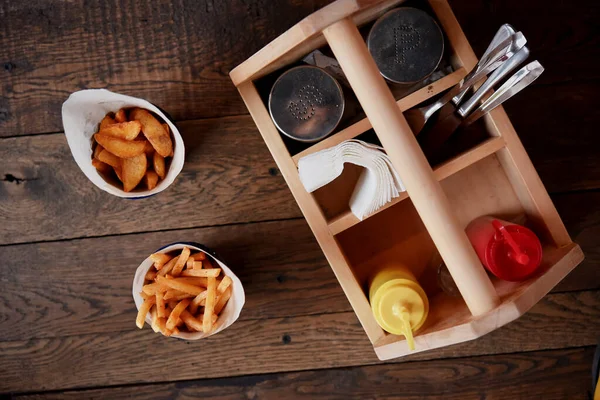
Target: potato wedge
109,158
118,172
97,150
149,150
120,147
121,116
101,167
166,126
124,130
154,131
134,170
159,165
150,179
106,121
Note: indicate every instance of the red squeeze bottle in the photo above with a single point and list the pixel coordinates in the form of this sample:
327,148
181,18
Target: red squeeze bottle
509,251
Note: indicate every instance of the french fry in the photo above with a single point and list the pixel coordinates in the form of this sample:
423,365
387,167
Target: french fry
160,305
133,171
124,130
150,179
210,304
190,263
177,285
173,294
106,121
224,284
109,158
183,257
162,324
144,295
214,318
152,288
160,259
158,162
198,256
197,301
150,275
143,311
120,116
223,299
154,324
202,273
190,321
120,147
168,266
177,310
154,131
101,167
193,280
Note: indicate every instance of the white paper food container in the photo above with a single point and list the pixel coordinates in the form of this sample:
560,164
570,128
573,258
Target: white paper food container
81,114
230,313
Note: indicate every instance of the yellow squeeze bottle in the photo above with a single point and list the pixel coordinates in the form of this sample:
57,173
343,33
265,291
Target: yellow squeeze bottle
398,302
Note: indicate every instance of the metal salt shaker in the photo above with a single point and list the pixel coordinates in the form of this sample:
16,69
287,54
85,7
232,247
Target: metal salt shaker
407,45
306,103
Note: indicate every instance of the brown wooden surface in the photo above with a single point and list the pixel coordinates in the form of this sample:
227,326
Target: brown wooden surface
68,251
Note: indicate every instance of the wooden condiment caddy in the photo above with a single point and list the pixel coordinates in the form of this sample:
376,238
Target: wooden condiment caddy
494,177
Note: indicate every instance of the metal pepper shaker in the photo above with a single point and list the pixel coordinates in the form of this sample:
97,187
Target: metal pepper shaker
407,45
306,103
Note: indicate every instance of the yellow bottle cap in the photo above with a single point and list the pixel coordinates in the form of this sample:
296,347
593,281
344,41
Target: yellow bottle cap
400,307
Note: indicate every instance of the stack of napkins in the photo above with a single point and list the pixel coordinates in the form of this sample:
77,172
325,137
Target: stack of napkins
378,184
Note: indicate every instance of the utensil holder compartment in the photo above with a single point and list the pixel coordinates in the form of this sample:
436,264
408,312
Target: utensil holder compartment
491,175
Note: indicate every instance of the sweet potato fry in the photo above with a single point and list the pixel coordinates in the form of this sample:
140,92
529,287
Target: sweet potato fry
160,259
159,165
107,157
209,308
150,179
168,266
177,285
143,311
182,305
120,116
133,171
183,257
101,167
154,131
106,121
124,130
121,147
202,273
223,299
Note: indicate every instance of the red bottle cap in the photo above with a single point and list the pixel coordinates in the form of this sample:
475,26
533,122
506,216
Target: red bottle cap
514,253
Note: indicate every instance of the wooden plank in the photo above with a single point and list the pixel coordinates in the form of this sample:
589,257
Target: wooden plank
84,286
228,177
555,374
267,346
177,55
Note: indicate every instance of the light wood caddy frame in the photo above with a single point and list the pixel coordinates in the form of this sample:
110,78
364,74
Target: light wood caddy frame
494,177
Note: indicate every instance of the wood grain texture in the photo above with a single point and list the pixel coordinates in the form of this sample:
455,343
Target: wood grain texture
548,375
267,346
176,55
228,177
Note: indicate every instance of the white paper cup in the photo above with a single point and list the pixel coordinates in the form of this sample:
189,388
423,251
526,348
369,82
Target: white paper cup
81,114
230,313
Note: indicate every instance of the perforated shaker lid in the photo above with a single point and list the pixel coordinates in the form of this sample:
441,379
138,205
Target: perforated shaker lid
306,103
406,44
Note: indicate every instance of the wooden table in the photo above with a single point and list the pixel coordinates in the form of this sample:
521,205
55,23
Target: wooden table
68,250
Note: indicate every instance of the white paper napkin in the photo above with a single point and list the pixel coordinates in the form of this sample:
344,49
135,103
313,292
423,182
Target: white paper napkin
378,184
